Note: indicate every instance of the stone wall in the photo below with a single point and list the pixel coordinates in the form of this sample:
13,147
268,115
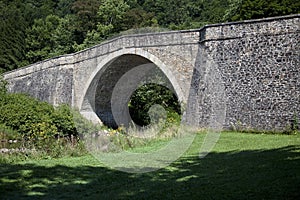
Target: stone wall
50,80
254,68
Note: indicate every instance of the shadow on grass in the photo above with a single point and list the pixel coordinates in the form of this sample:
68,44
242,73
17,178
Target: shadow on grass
263,174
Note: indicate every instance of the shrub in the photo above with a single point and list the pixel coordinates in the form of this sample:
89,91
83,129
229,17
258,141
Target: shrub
63,119
33,118
84,126
19,112
7,133
39,128
3,85
149,95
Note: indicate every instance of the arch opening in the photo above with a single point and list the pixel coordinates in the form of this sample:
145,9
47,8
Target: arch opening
107,83
112,87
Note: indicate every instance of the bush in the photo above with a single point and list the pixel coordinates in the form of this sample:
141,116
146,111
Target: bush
38,129
63,119
3,85
149,95
35,119
7,133
84,126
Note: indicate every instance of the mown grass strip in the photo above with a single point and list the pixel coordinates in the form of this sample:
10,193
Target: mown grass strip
241,166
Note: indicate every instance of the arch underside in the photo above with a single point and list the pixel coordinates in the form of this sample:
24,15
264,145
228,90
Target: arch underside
109,92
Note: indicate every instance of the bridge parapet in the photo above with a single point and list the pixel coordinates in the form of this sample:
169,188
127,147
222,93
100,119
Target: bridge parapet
172,38
266,26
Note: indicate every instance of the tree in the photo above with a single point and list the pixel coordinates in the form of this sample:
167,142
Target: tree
111,14
261,8
3,85
86,17
38,9
12,43
40,41
171,12
64,36
64,7
148,95
137,18
233,9
50,37
33,30
214,11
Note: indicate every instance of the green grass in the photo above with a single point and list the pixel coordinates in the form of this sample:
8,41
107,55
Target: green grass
241,166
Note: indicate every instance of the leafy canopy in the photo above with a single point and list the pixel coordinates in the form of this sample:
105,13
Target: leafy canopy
33,30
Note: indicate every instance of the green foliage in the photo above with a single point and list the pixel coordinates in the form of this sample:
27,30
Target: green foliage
38,125
136,18
12,43
63,119
250,9
41,131
83,126
152,29
35,119
49,37
148,95
31,31
43,149
39,128
111,12
86,18
20,111
64,7
295,124
92,38
233,9
40,41
171,12
8,133
3,85
64,36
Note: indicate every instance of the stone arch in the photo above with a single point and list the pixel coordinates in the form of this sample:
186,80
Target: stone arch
89,104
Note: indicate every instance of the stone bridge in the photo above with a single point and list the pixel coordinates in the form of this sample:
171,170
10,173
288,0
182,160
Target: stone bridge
244,74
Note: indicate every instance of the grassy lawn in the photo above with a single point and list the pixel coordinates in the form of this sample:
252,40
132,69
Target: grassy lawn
241,166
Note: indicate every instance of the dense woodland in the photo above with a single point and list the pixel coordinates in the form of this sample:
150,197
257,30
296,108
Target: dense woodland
33,30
